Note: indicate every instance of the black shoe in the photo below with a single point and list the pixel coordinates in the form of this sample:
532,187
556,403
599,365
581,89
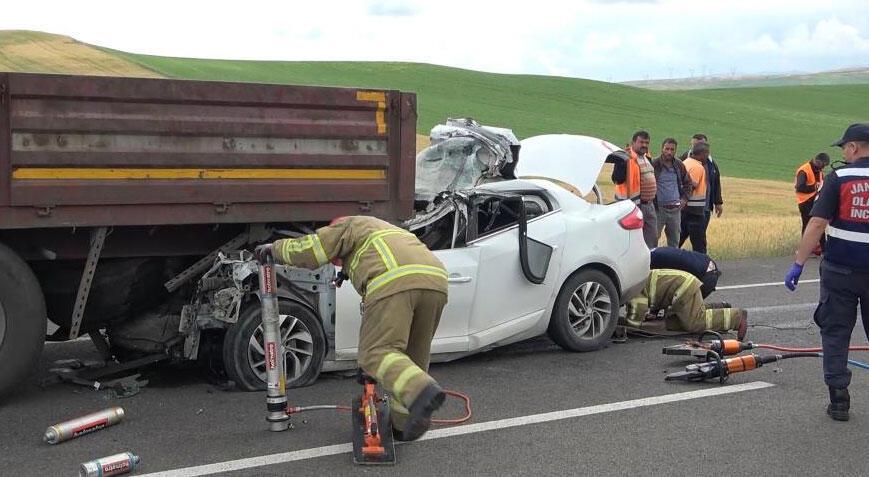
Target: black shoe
419,419
840,403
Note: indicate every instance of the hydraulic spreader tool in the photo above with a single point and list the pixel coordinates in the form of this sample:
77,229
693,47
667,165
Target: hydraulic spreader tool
717,364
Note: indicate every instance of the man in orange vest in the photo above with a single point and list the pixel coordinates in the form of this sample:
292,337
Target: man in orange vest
635,181
693,218
808,181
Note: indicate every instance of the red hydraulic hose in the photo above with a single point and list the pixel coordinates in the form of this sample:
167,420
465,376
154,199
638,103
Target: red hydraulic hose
462,419
806,350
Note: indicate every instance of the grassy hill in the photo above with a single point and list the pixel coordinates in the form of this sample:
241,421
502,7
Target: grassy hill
759,133
756,133
835,77
46,53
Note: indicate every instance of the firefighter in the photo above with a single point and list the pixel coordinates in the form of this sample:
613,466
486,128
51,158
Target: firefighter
807,183
678,295
842,209
404,290
695,263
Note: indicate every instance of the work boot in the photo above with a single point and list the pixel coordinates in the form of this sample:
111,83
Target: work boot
840,403
714,305
742,327
419,418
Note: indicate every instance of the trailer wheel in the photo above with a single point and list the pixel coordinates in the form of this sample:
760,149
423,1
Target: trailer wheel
304,342
22,319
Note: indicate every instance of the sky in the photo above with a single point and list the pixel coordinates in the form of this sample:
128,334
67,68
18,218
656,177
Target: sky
607,40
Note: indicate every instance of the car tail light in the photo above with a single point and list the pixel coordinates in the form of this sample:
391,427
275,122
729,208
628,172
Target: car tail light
632,221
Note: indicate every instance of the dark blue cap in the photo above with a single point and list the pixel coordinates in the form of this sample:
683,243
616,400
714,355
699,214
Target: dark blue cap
856,132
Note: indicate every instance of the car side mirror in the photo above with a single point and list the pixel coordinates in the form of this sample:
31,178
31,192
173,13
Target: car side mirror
533,254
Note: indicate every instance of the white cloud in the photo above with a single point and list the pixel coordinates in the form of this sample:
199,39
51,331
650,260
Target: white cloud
599,39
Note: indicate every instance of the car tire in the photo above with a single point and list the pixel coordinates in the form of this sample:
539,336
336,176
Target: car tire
586,312
22,320
304,341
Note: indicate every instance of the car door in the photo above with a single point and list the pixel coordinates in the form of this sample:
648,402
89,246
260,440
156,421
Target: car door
507,303
451,335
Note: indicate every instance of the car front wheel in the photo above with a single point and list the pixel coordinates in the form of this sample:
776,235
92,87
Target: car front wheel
304,347
586,312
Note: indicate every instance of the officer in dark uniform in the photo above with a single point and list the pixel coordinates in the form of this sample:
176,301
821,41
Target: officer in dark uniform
842,209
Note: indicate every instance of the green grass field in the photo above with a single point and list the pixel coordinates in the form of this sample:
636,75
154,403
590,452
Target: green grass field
762,133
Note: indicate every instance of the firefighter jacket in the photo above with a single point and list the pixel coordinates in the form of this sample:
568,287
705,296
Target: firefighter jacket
380,259
810,186
697,199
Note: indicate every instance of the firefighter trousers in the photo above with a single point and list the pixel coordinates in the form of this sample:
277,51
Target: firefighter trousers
395,344
688,313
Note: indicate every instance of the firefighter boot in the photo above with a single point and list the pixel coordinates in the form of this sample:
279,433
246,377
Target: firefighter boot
840,402
419,418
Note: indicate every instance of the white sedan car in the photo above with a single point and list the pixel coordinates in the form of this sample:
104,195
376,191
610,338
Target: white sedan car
579,263
525,256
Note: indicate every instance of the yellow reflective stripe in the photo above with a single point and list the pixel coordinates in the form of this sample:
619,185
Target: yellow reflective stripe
319,252
284,256
404,270
405,376
708,319
633,307
302,244
385,253
728,318
685,285
367,243
387,363
653,289
120,173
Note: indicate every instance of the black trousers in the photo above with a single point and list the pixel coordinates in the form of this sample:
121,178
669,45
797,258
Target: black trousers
805,214
841,290
694,227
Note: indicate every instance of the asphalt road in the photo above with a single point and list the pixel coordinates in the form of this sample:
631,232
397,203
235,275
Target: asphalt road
537,410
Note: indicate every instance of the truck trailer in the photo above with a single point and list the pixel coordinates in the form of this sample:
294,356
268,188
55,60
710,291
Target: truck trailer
126,205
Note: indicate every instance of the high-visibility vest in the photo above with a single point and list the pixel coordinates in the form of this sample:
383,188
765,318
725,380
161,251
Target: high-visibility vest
697,172
810,181
848,231
630,188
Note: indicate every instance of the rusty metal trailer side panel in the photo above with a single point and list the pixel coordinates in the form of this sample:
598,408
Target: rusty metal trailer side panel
93,151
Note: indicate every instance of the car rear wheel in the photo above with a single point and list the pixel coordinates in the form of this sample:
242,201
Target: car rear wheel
304,345
586,312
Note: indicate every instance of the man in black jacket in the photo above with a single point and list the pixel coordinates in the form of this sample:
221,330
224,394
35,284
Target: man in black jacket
674,186
713,182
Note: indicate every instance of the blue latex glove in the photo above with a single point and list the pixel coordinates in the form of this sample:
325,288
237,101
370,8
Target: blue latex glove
793,276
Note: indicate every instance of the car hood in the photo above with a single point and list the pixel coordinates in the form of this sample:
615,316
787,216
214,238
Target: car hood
576,160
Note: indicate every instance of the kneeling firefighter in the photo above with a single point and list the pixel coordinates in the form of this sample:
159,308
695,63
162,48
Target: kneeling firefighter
404,290
677,294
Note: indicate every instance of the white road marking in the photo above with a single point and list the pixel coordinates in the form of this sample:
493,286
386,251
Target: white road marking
780,308
768,284
337,449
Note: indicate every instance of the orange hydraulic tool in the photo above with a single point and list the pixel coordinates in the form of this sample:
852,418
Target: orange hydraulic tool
373,443
722,368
